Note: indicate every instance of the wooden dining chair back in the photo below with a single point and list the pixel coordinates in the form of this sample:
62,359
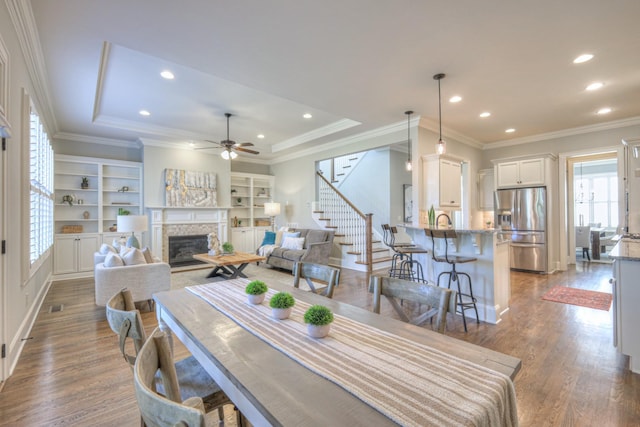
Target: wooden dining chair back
310,271
168,410
439,300
124,319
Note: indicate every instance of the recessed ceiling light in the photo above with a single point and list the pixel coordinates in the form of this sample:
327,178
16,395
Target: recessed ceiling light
583,58
455,99
144,113
605,110
485,114
307,116
595,86
192,144
261,136
510,130
166,74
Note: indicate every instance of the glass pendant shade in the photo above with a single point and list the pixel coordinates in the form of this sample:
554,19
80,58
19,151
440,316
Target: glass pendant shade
233,154
409,166
441,147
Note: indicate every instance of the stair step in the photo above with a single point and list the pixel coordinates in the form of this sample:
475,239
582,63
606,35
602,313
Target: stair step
338,235
353,158
375,261
346,166
331,226
339,174
324,219
354,253
318,212
374,250
345,244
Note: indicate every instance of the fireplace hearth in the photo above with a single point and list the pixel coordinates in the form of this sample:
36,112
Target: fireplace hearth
182,249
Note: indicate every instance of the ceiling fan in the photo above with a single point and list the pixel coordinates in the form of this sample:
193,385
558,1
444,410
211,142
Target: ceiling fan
230,147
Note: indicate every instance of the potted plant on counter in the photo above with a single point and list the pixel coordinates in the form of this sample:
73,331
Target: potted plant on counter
256,291
318,319
281,305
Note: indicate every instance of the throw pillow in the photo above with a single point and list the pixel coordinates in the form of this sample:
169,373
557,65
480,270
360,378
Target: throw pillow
105,249
147,255
269,238
290,234
133,256
293,243
116,244
113,260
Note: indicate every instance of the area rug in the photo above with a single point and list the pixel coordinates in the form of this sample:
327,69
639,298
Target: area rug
268,275
581,297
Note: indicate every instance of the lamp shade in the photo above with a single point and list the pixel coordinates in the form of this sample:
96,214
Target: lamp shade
272,209
132,223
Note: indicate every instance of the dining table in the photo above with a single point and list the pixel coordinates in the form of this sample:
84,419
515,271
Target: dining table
371,370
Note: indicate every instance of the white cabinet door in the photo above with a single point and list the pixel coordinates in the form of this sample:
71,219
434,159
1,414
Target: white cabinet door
508,174
64,255
485,189
450,183
86,246
532,172
242,239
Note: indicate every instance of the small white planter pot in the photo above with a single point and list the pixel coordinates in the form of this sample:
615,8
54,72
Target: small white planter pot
281,313
255,299
318,331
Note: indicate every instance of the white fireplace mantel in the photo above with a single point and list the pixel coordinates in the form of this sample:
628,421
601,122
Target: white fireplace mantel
164,218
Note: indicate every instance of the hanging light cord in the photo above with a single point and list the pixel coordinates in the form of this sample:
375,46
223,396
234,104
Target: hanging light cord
440,109
409,113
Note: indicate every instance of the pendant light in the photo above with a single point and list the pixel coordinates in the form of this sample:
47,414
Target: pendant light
409,165
441,146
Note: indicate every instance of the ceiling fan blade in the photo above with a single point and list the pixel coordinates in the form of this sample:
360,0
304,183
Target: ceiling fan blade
245,144
215,142
246,150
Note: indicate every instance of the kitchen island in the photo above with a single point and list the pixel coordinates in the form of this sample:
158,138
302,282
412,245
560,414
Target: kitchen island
626,296
490,274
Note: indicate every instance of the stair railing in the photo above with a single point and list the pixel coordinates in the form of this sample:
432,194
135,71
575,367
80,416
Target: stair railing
347,220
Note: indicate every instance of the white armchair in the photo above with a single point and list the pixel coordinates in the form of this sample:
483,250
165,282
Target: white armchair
143,280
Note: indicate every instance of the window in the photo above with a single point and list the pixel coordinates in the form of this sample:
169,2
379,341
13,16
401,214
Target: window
41,189
596,192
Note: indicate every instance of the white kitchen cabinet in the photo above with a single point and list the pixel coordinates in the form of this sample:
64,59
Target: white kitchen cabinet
73,253
626,316
443,182
486,188
243,239
520,173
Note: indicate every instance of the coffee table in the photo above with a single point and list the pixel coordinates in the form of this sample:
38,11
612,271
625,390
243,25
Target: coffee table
229,266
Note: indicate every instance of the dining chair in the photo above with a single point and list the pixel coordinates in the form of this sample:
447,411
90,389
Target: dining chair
583,240
169,410
125,320
439,300
310,271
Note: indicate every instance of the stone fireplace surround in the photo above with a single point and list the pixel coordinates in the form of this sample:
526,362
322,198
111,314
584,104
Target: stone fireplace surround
184,221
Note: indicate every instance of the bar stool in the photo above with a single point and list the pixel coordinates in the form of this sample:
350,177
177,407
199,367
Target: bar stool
409,269
396,260
469,301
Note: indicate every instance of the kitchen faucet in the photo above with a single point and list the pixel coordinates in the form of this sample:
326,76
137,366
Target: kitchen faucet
446,216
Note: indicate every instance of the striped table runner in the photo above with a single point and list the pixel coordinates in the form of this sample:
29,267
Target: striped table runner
411,383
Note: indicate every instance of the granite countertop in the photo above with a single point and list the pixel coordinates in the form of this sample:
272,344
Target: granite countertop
457,230
626,249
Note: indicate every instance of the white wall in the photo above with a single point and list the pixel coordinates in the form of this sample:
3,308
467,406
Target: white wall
24,289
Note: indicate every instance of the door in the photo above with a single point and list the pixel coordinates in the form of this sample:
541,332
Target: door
87,245
532,172
450,183
3,225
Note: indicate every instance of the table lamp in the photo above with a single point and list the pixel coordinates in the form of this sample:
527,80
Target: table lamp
272,209
132,223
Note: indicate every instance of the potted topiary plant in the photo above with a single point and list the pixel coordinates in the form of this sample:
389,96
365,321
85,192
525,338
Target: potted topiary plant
318,319
85,182
281,305
256,291
227,248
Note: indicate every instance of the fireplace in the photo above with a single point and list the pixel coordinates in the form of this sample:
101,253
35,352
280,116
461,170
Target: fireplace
182,249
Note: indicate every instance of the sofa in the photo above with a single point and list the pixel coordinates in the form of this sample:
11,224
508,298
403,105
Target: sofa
316,248
143,278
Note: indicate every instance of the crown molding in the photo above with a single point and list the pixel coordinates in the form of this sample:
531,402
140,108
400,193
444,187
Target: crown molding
330,129
27,33
74,137
631,121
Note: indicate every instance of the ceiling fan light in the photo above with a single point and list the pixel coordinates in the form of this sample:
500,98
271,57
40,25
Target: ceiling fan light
225,154
233,154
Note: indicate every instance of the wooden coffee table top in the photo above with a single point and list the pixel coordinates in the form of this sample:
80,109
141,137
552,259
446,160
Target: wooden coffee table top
236,258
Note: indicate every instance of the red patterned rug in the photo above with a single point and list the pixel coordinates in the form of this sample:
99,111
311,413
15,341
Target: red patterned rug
582,297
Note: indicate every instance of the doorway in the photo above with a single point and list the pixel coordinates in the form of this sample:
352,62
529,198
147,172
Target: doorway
592,210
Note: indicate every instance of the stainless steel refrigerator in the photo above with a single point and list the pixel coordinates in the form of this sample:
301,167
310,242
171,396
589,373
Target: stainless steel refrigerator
521,215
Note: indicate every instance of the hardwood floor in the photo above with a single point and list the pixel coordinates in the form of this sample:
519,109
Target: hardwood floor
71,372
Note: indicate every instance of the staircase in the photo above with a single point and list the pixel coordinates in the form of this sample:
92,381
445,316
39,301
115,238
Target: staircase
361,248
342,166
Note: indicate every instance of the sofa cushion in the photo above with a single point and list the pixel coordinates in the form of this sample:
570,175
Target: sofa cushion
295,243
113,260
148,256
133,256
316,236
105,249
288,254
269,238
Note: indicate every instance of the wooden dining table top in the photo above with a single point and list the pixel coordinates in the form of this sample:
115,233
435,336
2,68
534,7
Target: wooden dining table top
270,388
